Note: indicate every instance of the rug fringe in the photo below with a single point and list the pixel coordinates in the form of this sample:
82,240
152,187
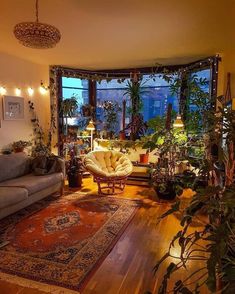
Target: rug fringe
35,285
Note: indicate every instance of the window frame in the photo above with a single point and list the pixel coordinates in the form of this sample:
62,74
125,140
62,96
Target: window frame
56,73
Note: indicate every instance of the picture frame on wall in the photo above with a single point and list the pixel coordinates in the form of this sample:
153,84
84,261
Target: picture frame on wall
13,108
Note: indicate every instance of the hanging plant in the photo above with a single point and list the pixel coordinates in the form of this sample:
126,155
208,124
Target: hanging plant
69,106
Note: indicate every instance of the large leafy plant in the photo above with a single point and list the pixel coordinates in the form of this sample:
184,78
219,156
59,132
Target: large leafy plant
111,109
135,90
213,244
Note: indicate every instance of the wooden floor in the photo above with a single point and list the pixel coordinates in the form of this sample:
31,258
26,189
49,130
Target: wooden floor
128,267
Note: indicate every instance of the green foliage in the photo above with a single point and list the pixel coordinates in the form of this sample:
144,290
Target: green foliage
111,109
68,106
135,91
41,140
218,252
214,244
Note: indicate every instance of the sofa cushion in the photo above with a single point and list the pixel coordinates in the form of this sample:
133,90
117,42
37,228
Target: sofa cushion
11,196
34,183
14,165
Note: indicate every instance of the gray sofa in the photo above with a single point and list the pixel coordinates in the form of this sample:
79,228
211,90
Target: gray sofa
19,187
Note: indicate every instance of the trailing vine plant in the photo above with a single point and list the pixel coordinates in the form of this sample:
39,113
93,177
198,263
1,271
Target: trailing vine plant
41,141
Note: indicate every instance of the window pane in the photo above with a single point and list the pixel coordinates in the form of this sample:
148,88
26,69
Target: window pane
156,81
115,96
204,74
112,84
155,102
74,83
157,96
81,95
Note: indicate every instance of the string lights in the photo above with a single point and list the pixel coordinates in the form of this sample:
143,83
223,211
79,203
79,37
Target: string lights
18,91
3,90
122,75
29,90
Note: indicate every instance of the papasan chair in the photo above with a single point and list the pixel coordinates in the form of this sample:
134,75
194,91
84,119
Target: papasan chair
110,170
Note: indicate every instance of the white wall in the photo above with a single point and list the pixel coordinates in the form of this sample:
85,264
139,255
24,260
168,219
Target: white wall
16,72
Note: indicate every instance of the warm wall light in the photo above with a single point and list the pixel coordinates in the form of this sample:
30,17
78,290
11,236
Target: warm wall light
3,90
18,91
43,89
30,91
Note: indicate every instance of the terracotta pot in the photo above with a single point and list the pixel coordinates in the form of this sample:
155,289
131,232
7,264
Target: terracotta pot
19,149
144,158
122,135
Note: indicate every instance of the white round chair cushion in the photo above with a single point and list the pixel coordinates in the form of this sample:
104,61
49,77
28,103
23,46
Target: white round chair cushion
108,163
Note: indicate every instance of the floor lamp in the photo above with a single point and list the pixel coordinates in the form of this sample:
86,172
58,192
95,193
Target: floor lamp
91,127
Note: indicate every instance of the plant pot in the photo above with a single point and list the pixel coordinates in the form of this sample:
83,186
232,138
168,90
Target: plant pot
75,180
122,135
19,149
144,158
200,183
168,194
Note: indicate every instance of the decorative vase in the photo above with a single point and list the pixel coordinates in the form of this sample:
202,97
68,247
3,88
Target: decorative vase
144,158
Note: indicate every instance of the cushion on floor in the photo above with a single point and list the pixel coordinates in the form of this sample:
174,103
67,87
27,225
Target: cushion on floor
11,196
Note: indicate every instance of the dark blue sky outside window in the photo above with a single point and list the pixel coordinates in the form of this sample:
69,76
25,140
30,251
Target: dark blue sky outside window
156,97
75,87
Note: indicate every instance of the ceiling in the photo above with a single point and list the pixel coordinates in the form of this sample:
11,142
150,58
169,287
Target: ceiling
108,34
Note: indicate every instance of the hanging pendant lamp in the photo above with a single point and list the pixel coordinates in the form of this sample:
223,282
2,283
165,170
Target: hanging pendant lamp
37,35
178,123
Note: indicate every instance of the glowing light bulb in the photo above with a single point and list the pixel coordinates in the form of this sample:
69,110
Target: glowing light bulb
3,90
30,91
42,90
178,123
18,91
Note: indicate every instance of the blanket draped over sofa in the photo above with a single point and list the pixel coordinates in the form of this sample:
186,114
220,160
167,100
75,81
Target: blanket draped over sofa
24,181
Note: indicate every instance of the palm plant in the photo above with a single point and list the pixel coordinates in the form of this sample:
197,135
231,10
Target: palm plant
137,125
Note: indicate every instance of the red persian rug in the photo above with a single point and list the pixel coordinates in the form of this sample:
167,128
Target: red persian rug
61,241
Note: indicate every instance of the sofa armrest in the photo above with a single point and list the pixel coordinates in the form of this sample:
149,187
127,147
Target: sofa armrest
61,162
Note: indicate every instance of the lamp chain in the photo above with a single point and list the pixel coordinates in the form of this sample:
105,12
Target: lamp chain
36,10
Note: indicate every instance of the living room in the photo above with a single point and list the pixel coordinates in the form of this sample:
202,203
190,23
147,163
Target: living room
117,122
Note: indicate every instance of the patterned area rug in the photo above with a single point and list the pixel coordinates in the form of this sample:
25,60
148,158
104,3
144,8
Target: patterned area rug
61,241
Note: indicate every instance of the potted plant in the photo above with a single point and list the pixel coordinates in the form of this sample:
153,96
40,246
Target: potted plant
74,170
213,244
87,110
19,146
169,144
122,135
137,125
68,108
111,109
